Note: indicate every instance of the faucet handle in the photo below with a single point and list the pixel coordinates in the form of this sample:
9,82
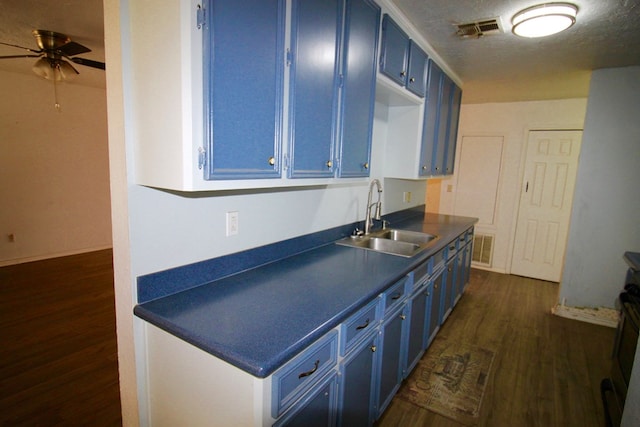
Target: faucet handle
385,224
357,232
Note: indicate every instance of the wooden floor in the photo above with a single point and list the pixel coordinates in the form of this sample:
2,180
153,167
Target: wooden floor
59,364
547,369
58,343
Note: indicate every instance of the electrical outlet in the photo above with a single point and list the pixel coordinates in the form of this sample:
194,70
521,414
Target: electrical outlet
449,188
406,197
232,223
11,237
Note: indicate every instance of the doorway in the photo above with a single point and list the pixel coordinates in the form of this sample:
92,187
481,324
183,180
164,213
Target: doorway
545,203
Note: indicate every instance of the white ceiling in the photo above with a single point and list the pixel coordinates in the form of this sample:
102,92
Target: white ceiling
494,68
82,20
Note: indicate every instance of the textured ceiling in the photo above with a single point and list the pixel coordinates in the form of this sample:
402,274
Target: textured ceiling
494,68
82,20
505,67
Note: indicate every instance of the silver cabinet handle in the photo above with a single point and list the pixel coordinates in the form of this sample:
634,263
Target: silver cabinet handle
272,161
403,317
373,348
363,326
315,368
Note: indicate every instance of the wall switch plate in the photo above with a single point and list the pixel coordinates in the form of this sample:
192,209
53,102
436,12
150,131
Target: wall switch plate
406,197
232,223
449,188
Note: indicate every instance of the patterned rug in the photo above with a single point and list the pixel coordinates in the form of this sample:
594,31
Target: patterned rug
450,380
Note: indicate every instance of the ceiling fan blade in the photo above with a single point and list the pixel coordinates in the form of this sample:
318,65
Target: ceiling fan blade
89,63
21,47
73,48
20,56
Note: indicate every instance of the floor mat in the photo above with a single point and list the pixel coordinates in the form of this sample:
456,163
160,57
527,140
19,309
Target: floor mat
450,380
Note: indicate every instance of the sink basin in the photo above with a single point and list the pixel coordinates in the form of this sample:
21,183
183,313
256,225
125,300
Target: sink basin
395,242
406,236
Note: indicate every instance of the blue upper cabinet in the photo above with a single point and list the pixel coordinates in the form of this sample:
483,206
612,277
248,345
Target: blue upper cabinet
443,126
394,56
452,136
360,52
418,66
440,125
243,63
431,119
313,87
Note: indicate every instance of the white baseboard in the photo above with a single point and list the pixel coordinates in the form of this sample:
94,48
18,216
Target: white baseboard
4,263
599,316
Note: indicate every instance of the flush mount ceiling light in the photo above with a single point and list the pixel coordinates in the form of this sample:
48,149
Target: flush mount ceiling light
544,19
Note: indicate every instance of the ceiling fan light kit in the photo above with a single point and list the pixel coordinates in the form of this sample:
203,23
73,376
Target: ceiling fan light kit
54,51
544,19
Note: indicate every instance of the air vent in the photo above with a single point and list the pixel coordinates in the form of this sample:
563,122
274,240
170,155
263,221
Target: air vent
482,249
479,28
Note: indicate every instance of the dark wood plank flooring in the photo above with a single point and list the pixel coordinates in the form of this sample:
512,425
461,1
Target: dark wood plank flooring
546,371
59,362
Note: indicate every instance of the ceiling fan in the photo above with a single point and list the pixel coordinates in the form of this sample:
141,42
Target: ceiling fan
55,51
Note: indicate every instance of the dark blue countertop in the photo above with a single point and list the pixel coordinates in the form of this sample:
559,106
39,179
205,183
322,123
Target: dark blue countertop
258,319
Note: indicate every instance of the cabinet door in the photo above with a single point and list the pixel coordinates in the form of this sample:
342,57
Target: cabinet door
452,136
315,37
443,126
417,326
435,309
318,409
391,358
362,19
418,63
450,287
394,55
467,265
243,88
356,408
430,122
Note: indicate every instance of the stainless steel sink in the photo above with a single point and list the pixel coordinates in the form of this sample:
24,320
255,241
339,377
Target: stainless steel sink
395,242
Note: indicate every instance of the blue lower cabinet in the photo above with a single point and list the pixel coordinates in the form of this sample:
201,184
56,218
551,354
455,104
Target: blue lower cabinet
318,409
391,357
448,295
357,385
435,313
417,328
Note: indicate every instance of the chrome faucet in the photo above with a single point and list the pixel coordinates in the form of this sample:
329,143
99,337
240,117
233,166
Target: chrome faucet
378,205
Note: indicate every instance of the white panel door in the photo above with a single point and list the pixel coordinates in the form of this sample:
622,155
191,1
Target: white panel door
545,204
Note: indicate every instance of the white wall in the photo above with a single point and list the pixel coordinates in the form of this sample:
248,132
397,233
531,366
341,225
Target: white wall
512,121
54,169
605,220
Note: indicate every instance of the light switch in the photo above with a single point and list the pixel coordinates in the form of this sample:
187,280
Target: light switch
232,223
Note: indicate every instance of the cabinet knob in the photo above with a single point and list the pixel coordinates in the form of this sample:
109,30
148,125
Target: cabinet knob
403,317
272,161
424,168
437,168
366,165
403,73
412,79
329,163
373,348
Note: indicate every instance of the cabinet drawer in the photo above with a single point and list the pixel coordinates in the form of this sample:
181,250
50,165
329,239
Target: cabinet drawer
394,295
421,273
452,248
358,325
438,260
469,235
297,376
